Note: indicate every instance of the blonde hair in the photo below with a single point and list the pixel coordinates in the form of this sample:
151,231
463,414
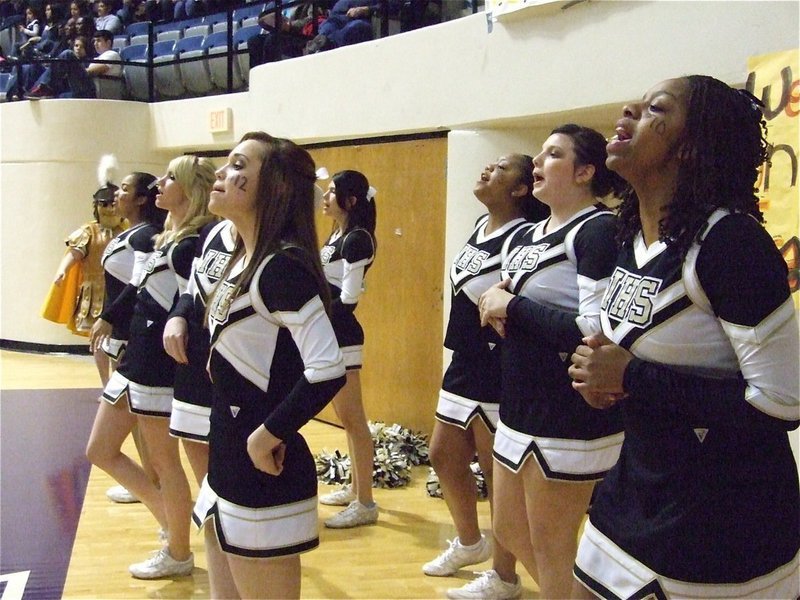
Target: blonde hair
195,175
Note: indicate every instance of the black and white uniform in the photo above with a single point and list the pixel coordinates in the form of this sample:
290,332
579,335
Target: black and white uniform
123,263
345,260
704,500
146,372
191,403
274,362
558,278
471,384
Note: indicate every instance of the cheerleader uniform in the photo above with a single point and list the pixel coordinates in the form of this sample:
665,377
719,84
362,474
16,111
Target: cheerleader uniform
146,372
558,279
191,403
704,500
274,362
345,260
471,384
123,262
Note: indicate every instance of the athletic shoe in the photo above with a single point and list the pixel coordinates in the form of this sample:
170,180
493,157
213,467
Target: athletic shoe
487,585
341,497
354,515
457,556
120,495
40,91
161,565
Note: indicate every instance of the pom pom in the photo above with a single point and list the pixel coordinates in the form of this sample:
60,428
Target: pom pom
333,468
432,485
396,450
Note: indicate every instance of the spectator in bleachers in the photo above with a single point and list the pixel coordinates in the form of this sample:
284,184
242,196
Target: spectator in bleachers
70,78
12,13
106,19
80,21
298,26
132,11
50,36
349,22
31,28
48,44
189,9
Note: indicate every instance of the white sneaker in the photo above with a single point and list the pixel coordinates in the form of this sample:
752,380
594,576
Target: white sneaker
341,497
354,515
457,556
161,564
487,585
120,495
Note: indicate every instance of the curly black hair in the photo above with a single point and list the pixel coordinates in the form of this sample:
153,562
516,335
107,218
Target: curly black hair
725,140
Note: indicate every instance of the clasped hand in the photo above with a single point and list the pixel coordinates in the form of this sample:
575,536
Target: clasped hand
493,305
597,371
266,451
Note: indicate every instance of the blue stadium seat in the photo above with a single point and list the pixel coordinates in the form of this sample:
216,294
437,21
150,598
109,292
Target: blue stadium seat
215,46
240,39
194,73
166,78
135,75
139,28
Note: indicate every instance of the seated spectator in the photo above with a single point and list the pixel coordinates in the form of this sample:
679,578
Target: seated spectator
297,26
50,37
31,28
80,21
50,43
189,9
349,22
69,78
12,13
105,18
132,11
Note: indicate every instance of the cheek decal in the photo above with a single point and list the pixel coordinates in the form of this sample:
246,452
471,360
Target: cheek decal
659,126
240,181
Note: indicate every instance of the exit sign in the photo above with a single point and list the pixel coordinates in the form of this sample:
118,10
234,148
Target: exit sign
219,121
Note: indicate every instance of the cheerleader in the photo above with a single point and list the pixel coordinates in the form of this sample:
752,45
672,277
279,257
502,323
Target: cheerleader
186,339
346,257
554,273
274,364
699,348
467,412
140,390
123,261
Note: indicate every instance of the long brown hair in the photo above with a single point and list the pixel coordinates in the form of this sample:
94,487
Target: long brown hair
284,211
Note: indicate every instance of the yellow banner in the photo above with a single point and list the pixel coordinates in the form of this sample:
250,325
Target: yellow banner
773,78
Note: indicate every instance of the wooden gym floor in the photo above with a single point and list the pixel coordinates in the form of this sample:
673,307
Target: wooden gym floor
61,537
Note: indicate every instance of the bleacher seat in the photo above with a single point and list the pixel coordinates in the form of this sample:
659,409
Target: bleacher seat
166,78
216,45
137,28
120,41
135,75
5,81
240,39
194,73
110,88
246,12
138,40
169,34
197,30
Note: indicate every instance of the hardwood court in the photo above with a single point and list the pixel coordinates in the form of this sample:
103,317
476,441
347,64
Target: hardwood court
375,562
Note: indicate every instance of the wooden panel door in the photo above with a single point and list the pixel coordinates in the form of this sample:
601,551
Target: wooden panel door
401,311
